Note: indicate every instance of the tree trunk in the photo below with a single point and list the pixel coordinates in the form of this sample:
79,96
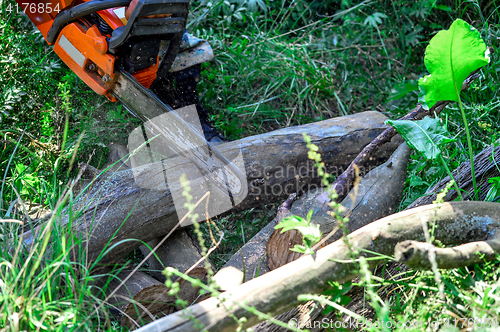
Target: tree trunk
118,208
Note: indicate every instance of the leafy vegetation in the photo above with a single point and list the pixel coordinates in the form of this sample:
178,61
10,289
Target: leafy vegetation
428,137
278,63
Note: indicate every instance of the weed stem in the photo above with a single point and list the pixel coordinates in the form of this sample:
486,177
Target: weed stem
469,143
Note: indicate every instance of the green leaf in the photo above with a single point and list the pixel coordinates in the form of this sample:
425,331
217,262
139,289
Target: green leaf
450,57
302,249
416,181
310,232
374,20
309,216
291,222
426,135
494,191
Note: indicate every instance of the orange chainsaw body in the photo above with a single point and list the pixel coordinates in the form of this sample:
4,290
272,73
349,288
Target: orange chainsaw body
83,47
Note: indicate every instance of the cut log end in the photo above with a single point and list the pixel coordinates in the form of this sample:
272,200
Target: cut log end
279,245
147,305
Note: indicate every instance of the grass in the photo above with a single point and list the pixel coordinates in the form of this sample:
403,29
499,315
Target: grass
271,72
42,286
278,63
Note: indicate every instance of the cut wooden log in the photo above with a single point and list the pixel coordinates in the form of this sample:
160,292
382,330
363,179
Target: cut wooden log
455,222
117,208
279,245
140,300
179,251
378,196
485,166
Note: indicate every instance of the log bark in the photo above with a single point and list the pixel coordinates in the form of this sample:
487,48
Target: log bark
485,165
140,300
117,208
456,222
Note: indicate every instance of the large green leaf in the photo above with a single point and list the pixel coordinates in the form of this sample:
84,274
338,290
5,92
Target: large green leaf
426,136
450,57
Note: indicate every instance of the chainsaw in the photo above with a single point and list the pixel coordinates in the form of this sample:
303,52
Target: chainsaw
114,47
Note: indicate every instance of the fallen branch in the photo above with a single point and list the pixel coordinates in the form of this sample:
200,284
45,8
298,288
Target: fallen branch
416,254
456,222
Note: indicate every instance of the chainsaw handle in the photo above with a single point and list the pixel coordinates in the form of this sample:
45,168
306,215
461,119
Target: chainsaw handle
78,11
144,20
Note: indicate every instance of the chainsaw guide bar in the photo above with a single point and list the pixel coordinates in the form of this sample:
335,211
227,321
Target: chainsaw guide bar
179,135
